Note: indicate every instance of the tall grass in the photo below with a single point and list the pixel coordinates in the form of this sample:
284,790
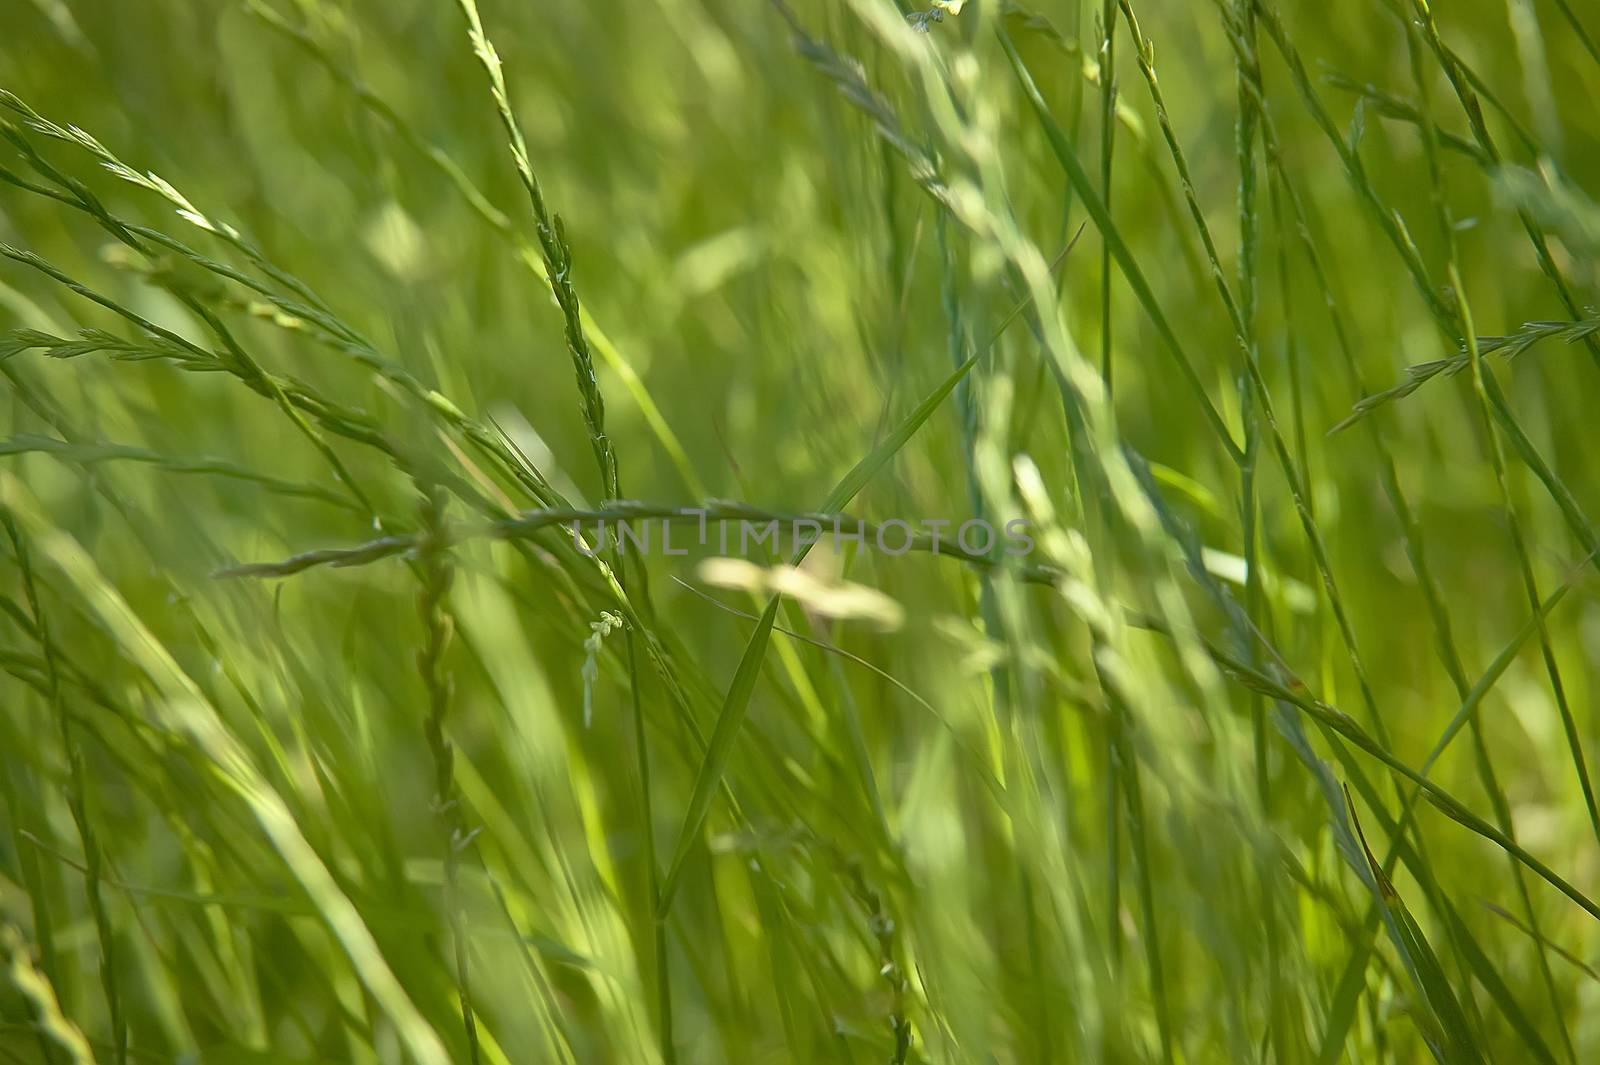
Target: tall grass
328,739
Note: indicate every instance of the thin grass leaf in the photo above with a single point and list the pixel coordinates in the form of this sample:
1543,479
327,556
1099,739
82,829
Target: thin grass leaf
190,712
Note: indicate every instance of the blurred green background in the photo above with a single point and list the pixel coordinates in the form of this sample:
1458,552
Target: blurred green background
1025,825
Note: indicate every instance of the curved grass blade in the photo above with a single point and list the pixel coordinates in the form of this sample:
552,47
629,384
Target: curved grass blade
1084,187
193,714
1451,1040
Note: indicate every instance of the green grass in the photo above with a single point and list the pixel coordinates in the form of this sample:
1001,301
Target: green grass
324,741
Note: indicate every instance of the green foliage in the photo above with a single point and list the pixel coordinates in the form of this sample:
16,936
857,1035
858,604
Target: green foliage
332,734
